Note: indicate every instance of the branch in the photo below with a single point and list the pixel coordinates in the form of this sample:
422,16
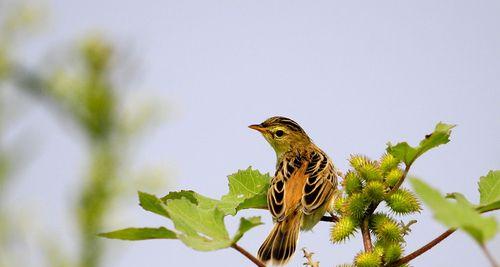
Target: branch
367,239
489,256
310,262
331,218
248,255
422,250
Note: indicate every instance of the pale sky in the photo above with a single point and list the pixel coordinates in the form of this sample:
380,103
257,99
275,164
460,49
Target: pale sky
354,74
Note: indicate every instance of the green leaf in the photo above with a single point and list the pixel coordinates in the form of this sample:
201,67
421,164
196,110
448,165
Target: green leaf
188,194
141,234
456,214
201,229
406,153
245,225
199,220
459,197
247,189
152,203
489,190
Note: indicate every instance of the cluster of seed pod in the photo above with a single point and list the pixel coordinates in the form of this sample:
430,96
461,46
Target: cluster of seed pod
370,182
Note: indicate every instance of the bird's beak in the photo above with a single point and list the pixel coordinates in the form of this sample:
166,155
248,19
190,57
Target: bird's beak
257,127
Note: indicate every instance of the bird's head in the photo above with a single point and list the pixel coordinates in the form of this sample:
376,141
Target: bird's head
283,134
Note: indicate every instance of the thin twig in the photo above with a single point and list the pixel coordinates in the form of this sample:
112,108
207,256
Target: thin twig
248,255
309,257
489,256
367,239
331,218
422,250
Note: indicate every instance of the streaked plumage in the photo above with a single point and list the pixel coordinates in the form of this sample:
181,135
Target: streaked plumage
301,189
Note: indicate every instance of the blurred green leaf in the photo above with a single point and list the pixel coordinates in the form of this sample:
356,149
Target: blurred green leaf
459,197
245,225
406,153
489,191
152,203
456,214
141,234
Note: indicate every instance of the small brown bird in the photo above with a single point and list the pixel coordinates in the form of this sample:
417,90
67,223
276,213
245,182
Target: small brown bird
301,190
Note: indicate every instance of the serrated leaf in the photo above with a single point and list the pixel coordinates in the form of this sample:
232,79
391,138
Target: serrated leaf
141,234
456,214
247,188
153,204
188,194
406,153
199,220
245,225
201,229
489,191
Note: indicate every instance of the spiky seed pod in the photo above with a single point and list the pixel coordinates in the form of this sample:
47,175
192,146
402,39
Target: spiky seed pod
356,205
392,252
352,183
389,231
393,176
368,259
343,229
371,172
339,205
378,250
388,162
377,219
358,161
403,202
374,191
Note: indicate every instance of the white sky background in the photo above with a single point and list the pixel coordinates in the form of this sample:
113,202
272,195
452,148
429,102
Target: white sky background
355,75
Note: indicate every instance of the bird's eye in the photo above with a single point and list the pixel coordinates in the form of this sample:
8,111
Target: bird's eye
279,133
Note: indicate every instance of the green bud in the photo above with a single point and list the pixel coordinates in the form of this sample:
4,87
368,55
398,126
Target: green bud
368,259
374,191
388,162
352,183
393,177
403,202
356,205
343,229
392,252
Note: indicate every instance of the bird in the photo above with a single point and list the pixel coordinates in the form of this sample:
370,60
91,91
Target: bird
301,191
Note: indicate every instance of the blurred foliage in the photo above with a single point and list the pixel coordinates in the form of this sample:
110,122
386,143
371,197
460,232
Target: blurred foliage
82,90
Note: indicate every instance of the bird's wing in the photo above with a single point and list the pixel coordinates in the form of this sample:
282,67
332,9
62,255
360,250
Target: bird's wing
285,192
320,183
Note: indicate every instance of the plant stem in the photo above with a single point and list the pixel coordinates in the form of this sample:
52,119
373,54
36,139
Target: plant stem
489,256
365,232
423,249
331,218
248,255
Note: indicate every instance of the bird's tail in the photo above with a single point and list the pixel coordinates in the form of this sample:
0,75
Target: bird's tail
281,243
